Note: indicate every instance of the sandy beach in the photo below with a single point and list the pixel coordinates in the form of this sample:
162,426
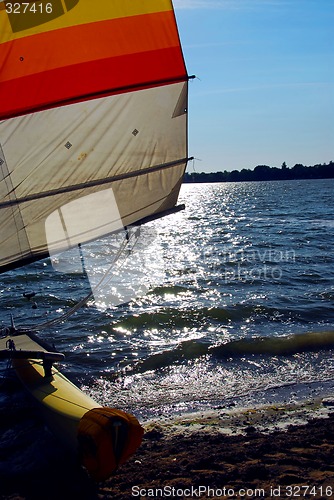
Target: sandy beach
273,451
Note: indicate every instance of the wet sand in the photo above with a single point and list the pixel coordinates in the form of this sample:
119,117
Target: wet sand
267,452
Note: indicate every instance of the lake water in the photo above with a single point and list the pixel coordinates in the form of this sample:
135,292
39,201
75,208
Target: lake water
237,306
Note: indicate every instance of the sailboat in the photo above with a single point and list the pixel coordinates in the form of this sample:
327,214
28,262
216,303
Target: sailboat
93,141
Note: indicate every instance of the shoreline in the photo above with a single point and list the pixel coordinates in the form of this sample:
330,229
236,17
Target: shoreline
243,420
292,394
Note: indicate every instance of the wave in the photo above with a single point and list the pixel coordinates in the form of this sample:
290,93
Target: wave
269,346
278,346
199,317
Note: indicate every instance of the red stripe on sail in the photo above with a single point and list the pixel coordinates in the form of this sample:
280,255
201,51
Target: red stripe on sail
89,80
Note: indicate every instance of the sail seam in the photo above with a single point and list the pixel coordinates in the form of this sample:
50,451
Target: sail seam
97,182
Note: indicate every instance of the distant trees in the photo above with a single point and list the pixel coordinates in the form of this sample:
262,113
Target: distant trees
266,173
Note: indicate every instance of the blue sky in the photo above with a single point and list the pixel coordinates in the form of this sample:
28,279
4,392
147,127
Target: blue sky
265,87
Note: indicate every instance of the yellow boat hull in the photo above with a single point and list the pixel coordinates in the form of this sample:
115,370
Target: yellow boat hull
102,438
62,403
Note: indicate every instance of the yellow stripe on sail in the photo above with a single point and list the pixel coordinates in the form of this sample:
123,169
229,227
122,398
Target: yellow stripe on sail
84,12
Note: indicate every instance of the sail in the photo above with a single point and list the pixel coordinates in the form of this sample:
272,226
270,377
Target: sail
93,107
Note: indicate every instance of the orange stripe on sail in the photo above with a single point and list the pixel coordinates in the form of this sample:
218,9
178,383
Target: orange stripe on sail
79,44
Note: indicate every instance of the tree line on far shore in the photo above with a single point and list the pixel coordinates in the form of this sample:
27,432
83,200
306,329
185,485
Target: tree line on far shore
265,173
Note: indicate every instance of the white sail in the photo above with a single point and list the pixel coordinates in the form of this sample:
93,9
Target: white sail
121,131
